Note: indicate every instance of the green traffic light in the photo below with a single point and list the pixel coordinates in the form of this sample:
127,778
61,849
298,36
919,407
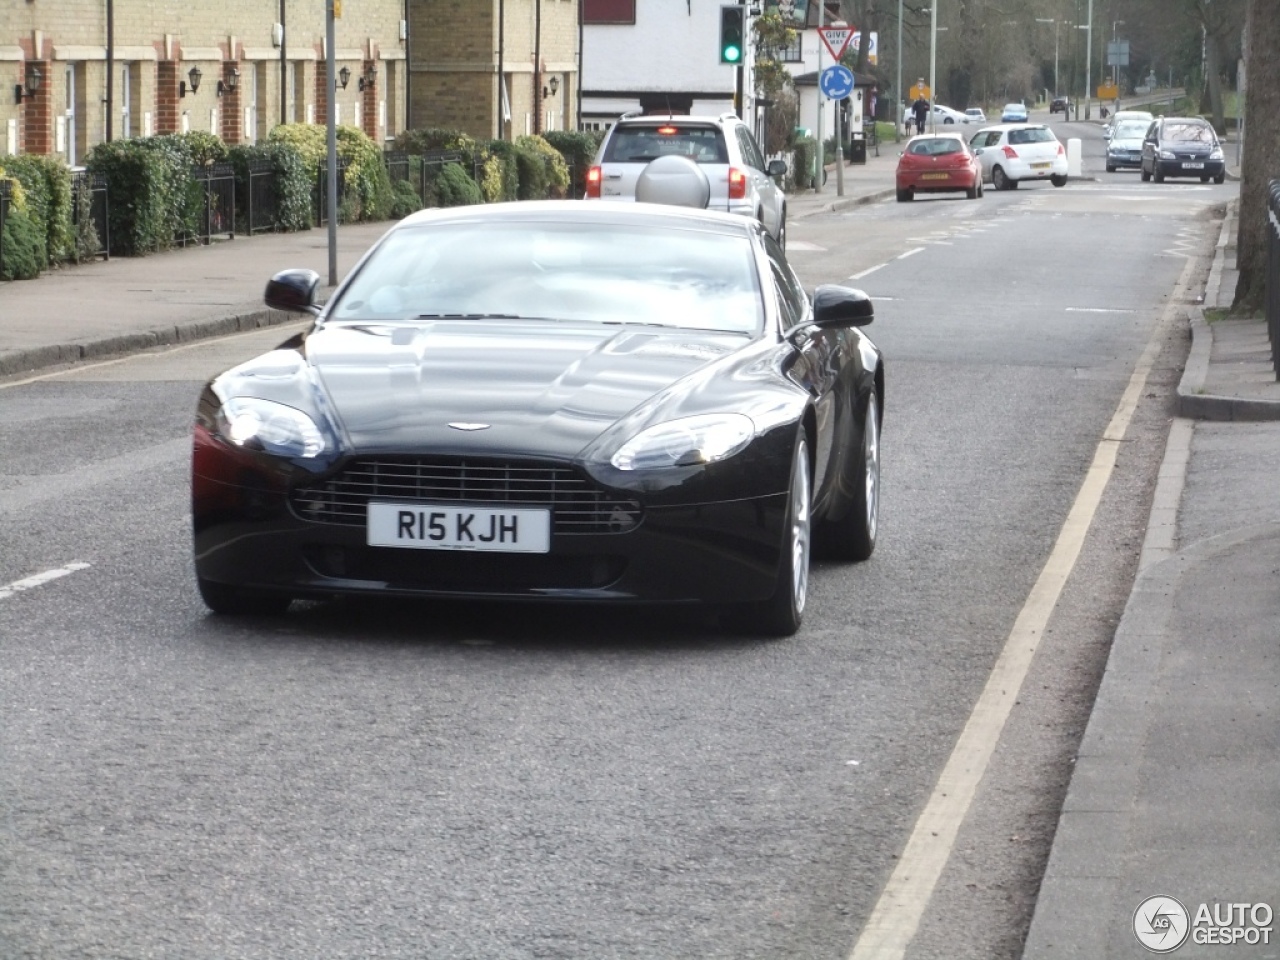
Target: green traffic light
732,54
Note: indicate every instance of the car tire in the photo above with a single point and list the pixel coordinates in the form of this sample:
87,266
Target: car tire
780,615
1158,175
1000,180
974,192
1058,180
227,600
1111,168
905,196
782,230
949,120
1220,178
853,537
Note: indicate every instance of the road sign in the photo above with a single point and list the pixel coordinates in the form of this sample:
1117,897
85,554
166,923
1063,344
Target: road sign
836,82
836,39
920,89
1108,91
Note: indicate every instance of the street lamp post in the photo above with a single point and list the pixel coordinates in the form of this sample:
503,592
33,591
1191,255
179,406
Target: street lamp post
933,62
1115,54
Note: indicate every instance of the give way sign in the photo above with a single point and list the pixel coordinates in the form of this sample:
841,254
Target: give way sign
836,39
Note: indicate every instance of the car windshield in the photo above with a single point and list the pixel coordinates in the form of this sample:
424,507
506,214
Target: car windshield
1189,133
566,271
1031,135
1131,130
640,144
935,147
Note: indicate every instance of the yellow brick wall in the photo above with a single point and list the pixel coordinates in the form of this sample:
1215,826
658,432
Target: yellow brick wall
74,31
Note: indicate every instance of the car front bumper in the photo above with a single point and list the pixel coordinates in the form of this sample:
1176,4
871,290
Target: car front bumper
248,532
1191,168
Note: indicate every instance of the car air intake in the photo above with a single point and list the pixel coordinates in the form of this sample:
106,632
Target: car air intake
577,505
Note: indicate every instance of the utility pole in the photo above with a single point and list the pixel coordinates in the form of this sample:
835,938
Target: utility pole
331,140
1088,60
902,100
933,63
819,160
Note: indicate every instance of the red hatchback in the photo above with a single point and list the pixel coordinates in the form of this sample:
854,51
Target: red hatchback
938,163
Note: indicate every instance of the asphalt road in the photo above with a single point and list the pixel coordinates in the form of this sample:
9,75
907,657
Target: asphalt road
462,781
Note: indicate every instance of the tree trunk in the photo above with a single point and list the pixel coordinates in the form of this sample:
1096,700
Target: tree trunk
1261,162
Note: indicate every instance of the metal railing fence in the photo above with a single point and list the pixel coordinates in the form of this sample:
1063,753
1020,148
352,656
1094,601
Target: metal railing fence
6,191
93,239
1273,274
217,206
263,198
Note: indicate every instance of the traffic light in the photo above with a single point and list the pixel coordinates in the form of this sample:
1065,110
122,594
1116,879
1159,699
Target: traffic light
732,31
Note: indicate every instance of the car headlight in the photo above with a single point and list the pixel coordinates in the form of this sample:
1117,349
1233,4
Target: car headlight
270,427
1215,153
686,442
1168,155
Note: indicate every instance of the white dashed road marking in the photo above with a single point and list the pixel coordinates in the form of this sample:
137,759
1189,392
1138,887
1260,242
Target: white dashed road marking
40,579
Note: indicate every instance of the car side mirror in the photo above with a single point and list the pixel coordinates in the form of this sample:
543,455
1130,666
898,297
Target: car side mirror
293,291
777,168
838,306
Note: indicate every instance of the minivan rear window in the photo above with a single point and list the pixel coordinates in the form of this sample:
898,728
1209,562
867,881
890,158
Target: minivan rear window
640,144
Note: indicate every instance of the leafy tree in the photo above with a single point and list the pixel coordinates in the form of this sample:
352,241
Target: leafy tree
1261,154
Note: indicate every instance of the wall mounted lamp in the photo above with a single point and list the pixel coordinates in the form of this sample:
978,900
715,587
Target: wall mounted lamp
231,83
344,77
552,86
34,76
192,82
370,77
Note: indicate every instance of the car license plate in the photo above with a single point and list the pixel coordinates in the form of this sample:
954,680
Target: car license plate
1041,166
935,176
1193,166
441,527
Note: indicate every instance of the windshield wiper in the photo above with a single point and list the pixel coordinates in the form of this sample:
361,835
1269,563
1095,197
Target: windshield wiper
472,316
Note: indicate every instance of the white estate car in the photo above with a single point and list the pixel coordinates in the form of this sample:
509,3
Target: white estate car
1013,152
742,182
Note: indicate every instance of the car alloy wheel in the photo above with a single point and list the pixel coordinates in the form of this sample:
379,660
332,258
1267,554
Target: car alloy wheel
999,179
853,537
780,616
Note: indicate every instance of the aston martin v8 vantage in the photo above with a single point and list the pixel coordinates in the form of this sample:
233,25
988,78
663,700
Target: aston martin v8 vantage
550,401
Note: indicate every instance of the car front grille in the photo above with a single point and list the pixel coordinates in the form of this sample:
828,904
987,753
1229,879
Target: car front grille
577,505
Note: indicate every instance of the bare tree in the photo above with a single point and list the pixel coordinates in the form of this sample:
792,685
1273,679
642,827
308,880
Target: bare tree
1261,153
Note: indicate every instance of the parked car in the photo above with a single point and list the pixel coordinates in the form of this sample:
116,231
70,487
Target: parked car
1010,153
1122,116
944,115
547,401
742,182
1182,147
938,163
1059,105
976,115
1014,113
1124,148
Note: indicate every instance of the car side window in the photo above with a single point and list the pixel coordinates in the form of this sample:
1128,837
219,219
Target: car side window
790,290
750,152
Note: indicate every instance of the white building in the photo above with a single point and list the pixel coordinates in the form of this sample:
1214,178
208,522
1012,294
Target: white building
655,56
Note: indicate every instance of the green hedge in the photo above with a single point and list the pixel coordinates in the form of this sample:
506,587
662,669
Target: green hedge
47,184
800,171
543,172
579,150
293,185
24,246
455,188
366,191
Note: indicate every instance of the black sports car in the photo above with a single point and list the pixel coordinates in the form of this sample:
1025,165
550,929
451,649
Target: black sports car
556,401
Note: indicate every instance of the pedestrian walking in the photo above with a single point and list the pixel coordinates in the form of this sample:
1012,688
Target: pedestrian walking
921,111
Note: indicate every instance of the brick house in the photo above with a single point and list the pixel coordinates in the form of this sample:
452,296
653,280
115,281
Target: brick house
494,68
235,68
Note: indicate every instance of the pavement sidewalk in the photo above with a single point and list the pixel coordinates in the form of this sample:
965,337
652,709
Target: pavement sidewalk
1176,788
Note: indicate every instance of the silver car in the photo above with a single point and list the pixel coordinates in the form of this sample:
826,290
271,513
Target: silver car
742,182
1124,148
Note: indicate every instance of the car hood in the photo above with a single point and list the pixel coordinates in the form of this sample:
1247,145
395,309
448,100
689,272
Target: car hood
1126,143
542,388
